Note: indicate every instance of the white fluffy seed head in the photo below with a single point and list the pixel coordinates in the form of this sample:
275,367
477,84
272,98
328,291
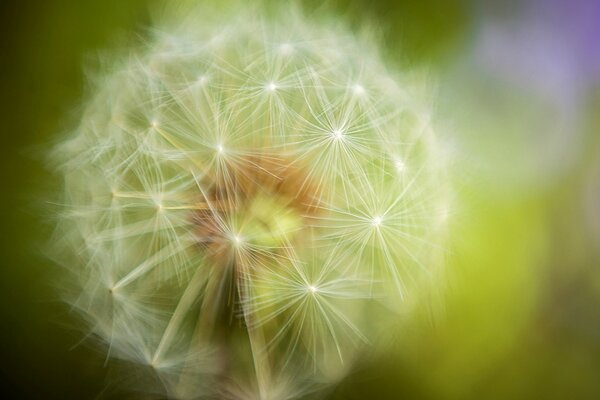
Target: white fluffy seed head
192,197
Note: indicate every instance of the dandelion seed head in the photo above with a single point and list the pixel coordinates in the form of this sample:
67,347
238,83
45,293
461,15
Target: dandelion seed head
193,208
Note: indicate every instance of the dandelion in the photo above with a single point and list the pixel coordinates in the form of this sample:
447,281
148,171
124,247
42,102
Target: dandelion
236,204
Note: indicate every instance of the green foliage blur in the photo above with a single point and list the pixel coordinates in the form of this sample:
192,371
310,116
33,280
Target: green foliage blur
517,317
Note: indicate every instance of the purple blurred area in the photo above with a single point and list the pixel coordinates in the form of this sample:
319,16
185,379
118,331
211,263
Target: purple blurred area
552,47
522,89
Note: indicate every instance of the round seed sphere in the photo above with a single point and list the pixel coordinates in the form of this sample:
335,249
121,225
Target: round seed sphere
247,199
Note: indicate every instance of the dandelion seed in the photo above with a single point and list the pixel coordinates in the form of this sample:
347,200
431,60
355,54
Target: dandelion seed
358,90
337,134
285,48
202,80
271,87
399,164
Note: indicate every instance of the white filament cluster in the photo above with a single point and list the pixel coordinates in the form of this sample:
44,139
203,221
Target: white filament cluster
197,107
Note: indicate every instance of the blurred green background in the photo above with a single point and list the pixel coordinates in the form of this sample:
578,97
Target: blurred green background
517,109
